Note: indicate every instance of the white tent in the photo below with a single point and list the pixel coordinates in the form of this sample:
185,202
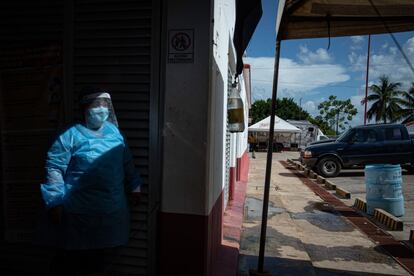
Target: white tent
281,126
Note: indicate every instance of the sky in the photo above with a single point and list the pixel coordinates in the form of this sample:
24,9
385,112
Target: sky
309,72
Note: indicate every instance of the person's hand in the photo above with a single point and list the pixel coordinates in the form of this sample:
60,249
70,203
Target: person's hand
55,214
135,198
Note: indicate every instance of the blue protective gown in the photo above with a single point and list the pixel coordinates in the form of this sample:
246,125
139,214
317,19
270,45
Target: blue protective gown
89,173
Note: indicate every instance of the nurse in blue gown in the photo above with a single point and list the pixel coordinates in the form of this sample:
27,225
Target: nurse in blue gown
89,172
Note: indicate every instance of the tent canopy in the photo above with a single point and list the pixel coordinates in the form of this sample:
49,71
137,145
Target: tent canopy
281,126
298,19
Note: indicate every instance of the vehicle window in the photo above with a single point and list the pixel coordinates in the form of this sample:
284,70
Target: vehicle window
344,137
365,136
372,136
359,136
393,134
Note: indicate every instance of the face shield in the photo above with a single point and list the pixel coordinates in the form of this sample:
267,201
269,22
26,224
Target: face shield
98,108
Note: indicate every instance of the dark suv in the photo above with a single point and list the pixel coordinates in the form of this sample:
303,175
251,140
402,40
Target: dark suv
359,146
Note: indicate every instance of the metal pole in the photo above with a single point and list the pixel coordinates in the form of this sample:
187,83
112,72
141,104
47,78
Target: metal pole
366,80
337,122
269,161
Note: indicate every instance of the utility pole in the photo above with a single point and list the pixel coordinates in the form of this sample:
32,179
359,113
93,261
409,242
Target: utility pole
337,122
300,118
366,80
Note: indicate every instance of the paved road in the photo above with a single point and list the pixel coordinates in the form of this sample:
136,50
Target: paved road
303,237
353,181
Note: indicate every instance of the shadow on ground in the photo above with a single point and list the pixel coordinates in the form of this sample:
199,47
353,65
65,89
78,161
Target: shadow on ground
289,267
277,241
288,175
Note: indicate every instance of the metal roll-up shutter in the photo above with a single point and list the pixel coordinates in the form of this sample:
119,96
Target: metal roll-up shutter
31,109
30,106
112,50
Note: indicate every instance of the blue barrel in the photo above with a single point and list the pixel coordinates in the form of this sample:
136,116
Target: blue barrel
384,189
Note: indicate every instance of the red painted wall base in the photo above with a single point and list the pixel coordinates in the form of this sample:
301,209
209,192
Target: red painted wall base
243,167
232,224
232,182
189,244
205,245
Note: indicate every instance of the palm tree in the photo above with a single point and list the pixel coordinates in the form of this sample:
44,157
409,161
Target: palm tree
387,101
408,103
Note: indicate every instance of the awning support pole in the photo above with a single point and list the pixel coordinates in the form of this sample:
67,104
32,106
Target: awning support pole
269,160
366,80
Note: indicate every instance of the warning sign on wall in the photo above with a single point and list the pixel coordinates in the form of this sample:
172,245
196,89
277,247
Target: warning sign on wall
181,46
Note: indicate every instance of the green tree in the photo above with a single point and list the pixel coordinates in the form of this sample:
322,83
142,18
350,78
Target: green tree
286,108
408,103
336,113
387,101
323,126
260,109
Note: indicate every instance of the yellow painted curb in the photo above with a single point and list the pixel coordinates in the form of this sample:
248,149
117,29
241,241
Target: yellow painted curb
329,185
392,222
312,174
320,179
360,204
343,193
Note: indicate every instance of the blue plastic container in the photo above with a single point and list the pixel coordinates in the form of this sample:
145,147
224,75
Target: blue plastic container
384,189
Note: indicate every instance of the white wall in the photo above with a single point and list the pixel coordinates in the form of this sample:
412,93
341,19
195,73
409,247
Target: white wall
195,112
242,136
224,58
187,89
222,55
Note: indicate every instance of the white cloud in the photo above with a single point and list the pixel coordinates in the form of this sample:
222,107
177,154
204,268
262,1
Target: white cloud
390,63
409,48
357,39
294,78
310,107
320,56
357,42
393,50
359,118
358,62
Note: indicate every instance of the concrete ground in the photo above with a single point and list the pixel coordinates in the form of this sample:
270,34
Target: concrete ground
353,181
303,236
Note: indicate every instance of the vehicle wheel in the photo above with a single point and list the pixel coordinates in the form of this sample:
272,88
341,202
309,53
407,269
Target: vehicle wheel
328,167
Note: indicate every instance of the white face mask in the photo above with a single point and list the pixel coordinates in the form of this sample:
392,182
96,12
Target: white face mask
96,116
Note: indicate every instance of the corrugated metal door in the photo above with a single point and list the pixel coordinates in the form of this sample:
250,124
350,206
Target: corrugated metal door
31,106
103,43
112,50
31,109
